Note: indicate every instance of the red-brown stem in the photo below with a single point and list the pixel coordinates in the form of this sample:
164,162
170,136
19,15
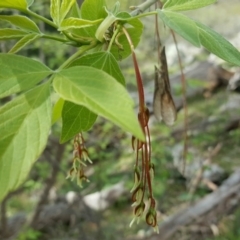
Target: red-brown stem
143,172
138,75
147,169
184,87
149,163
149,143
137,153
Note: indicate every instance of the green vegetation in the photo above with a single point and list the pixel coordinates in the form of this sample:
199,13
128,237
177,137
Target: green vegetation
61,82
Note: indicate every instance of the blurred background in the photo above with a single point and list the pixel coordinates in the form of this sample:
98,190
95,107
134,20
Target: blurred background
201,203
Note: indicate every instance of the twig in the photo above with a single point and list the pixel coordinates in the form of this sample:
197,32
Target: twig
184,89
143,7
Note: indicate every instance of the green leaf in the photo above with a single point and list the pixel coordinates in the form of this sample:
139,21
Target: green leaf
124,16
137,24
24,42
92,10
57,110
199,34
65,8
75,11
104,61
100,93
30,2
135,32
19,73
22,22
77,23
75,119
218,45
184,5
8,33
59,10
55,11
16,4
182,25
24,125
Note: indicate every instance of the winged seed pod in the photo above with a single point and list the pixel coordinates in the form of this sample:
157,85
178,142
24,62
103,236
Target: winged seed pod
163,104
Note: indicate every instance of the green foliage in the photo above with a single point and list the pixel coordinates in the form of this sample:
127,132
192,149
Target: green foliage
19,73
76,118
199,34
89,83
22,22
93,10
17,4
104,61
29,234
135,29
25,123
27,39
94,93
29,2
57,110
11,33
59,10
183,5
218,45
181,25
77,23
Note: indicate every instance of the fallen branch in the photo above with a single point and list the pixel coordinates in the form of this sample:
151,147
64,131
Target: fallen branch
230,189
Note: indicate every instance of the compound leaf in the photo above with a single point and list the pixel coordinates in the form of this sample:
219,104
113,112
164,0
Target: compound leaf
100,93
24,125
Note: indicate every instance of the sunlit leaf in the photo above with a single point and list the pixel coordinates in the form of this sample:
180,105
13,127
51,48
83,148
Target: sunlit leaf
19,73
30,2
100,93
55,11
24,125
75,119
75,11
65,8
182,25
104,61
77,23
218,45
16,4
57,110
22,22
24,42
198,34
8,33
183,5
93,10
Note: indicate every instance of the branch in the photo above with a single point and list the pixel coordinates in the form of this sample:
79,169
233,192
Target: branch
143,7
